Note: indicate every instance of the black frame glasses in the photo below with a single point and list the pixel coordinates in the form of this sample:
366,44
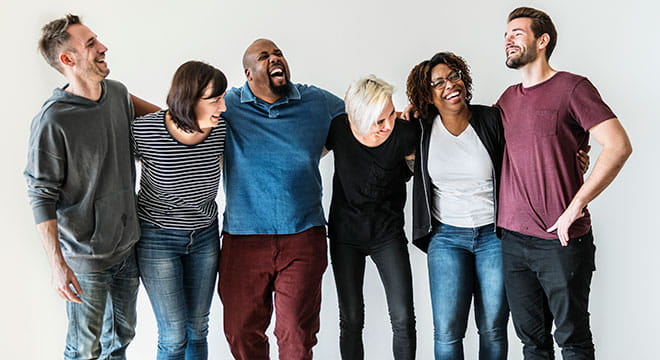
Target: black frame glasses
453,77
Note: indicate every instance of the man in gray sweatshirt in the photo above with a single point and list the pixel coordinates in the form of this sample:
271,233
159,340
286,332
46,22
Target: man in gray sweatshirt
80,176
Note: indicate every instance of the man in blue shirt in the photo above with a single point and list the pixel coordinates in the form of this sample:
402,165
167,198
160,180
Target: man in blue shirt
274,228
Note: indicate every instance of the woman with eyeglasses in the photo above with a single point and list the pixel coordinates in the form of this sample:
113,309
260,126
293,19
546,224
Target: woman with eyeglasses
181,151
457,168
366,214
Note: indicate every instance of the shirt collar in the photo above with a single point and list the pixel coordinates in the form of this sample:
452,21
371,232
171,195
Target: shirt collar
248,96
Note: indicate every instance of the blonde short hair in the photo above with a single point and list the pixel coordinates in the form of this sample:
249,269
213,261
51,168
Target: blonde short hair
365,100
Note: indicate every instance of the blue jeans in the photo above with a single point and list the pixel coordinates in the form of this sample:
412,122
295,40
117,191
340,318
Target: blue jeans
464,262
178,269
103,325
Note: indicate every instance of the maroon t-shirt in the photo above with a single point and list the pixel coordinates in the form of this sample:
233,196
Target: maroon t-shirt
544,126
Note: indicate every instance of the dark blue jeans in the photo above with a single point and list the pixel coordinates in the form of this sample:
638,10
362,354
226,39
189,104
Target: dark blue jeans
393,264
544,282
467,262
178,269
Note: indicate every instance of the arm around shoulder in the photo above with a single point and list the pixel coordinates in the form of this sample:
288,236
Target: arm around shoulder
142,107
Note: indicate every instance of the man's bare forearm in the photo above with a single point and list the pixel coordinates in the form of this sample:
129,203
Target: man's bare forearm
48,232
616,150
64,280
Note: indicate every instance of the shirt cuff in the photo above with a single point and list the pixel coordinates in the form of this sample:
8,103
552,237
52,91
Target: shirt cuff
44,212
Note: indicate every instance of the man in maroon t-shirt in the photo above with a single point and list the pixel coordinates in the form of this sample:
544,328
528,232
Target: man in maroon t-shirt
547,244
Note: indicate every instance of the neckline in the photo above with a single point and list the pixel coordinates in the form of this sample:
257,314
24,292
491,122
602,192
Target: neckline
86,99
541,83
167,129
438,120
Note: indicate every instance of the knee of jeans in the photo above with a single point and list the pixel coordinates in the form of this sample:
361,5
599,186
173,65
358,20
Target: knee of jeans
578,337
172,349
585,348
351,320
172,338
446,336
536,341
493,334
82,351
403,321
198,328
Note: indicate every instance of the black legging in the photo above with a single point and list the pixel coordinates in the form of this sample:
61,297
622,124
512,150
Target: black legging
393,264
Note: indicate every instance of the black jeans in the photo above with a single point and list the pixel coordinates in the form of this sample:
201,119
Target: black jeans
546,281
393,264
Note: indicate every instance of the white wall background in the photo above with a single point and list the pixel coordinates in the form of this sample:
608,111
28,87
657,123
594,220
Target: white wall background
330,44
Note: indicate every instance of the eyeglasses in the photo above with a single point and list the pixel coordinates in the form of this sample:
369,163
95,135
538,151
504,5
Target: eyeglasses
453,77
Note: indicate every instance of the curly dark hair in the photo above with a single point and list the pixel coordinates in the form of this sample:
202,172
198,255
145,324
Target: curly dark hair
418,85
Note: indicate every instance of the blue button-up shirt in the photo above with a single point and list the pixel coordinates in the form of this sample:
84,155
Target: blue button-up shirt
271,174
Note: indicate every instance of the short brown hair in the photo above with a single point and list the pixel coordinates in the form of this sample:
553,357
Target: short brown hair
418,85
188,85
541,24
54,36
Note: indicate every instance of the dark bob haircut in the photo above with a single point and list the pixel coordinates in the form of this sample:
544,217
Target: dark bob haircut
418,85
188,85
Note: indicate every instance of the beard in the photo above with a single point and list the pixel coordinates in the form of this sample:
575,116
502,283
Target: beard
91,69
525,57
280,90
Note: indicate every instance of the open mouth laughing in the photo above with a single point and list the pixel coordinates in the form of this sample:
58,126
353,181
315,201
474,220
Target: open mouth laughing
277,71
512,50
453,95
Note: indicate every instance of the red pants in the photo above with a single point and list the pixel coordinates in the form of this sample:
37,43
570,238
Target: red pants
252,269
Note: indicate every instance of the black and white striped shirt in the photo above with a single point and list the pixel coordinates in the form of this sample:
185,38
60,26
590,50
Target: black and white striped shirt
179,182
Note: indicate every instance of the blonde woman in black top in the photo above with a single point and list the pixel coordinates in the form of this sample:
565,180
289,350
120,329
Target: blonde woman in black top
366,215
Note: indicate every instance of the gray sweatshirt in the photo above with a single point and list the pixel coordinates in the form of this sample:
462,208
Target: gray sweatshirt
80,171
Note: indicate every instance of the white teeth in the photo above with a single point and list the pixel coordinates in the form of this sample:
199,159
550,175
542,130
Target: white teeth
276,72
451,96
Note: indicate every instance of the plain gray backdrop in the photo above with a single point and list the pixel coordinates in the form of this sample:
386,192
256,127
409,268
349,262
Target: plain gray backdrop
330,44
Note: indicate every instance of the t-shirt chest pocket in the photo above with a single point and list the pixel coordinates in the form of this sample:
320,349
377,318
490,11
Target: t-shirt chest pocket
544,122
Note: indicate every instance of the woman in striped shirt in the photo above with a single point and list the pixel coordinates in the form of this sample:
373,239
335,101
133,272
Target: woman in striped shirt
181,152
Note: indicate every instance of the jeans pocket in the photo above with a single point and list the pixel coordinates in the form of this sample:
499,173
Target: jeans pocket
587,250
146,226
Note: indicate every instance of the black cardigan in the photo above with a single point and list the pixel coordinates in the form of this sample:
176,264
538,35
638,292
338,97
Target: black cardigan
487,123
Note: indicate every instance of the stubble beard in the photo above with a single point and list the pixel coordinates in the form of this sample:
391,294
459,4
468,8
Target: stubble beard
525,57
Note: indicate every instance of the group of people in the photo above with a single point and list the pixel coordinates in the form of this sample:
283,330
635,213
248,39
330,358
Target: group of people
499,201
